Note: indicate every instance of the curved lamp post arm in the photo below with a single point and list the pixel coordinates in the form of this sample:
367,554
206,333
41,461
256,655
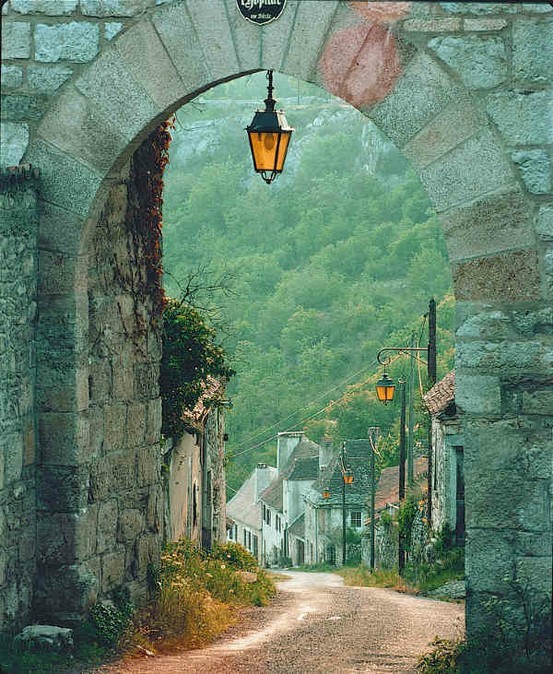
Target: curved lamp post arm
386,360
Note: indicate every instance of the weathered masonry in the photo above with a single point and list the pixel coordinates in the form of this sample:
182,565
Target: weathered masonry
464,90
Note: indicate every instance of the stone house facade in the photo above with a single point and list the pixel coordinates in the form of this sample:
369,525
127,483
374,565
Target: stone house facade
448,480
244,510
462,89
195,493
324,505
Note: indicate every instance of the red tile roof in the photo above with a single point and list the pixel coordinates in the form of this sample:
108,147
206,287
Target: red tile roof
441,394
388,485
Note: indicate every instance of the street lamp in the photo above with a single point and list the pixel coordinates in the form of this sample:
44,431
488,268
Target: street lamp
385,389
347,478
269,135
402,453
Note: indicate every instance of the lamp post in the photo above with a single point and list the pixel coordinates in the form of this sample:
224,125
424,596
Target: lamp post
374,433
269,135
385,390
347,478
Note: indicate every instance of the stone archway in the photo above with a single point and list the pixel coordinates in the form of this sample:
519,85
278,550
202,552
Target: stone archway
466,130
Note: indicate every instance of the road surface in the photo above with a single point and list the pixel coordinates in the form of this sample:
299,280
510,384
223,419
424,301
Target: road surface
317,625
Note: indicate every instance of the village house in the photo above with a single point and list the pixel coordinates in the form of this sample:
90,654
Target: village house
244,510
386,508
195,484
448,484
330,496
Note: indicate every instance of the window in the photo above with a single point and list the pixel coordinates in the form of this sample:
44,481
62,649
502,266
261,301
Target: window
255,545
277,523
355,519
245,539
268,516
249,540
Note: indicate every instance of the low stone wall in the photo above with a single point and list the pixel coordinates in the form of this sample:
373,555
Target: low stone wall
18,262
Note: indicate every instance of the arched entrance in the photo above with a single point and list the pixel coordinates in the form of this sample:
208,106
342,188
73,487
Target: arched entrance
405,68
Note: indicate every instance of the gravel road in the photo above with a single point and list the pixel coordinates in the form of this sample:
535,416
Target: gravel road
317,625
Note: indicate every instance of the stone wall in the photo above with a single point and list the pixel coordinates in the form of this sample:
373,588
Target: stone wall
18,262
463,89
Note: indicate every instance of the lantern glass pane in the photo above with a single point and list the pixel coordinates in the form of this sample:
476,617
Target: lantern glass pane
283,149
264,149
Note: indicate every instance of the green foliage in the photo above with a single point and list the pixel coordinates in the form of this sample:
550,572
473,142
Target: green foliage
443,659
190,356
111,619
336,259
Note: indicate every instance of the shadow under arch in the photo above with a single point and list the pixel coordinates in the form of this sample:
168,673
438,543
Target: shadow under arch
162,61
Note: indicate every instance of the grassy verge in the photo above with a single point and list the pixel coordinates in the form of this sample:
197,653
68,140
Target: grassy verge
198,597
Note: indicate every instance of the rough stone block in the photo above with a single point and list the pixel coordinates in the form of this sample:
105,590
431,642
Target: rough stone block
113,569
535,167
13,458
110,86
47,79
63,438
481,62
60,230
275,37
115,426
76,41
18,107
449,128
488,560
146,380
510,276
75,195
532,53
484,24
146,58
60,273
247,35
436,25
56,536
16,40
545,222
77,128
112,29
148,466
489,225
478,8
174,27
61,489
12,77
136,424
108,516
308,38
153,423
221,58
131,524
422,91
534,573
522,117
476,167
15,138
508,356
57,8
478,394
108,8
492,325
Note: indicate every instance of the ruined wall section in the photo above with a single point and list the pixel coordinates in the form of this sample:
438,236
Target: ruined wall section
18,262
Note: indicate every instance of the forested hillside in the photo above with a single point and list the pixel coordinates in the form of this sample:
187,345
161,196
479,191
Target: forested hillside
334,260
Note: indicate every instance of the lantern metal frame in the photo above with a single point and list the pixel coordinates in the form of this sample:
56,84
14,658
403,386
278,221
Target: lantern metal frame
270,121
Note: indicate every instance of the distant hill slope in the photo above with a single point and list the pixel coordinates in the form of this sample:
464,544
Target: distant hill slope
331,262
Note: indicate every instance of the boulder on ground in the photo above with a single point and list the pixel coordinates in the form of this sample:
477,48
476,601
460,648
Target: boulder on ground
45,638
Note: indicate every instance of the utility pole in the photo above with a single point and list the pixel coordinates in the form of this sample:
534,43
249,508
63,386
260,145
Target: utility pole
401,543
411,416
431,381
374,434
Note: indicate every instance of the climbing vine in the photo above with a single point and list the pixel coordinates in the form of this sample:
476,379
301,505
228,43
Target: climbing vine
190,356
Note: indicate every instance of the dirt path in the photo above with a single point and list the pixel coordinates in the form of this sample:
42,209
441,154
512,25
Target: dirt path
318,625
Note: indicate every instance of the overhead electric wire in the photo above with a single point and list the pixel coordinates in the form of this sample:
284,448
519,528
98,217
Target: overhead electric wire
305,407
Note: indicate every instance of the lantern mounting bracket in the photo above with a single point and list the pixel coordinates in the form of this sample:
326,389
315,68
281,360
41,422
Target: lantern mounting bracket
386,360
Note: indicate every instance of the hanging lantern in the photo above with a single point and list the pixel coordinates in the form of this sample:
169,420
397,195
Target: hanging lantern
385,389
326,492
269,136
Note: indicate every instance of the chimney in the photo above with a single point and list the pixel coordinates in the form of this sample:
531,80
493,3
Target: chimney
263,477
326,452
286,443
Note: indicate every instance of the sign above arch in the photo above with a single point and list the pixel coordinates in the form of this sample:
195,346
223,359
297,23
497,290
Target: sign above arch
261,11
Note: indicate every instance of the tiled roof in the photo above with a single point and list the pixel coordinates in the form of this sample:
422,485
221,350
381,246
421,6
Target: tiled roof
272,495
387,490
214,389
441,394
304,469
